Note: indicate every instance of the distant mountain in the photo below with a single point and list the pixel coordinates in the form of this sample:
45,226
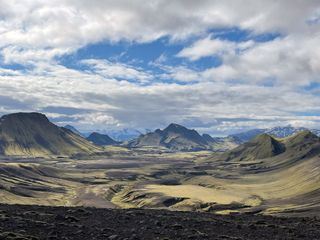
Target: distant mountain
282,132
73,129
123,135
248,135
300,146
101,139
32,134
279,132
175,137
208,138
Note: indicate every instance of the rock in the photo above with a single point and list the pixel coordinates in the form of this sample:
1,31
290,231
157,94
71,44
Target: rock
177,227
113,237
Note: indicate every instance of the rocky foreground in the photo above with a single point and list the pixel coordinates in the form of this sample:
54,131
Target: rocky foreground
35,222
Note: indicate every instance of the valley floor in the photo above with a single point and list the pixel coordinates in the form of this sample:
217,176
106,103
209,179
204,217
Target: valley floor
155,179
34,222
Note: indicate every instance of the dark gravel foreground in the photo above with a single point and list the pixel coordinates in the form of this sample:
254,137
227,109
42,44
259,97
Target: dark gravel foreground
34,222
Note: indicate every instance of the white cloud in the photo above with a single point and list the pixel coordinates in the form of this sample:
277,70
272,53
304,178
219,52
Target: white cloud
120,71
25,56
289,60
68,25
214,47
180,74
103,101
37,32
207,47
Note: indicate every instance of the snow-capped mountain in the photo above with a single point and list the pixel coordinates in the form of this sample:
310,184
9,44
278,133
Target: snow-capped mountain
279,132
282,132
122,135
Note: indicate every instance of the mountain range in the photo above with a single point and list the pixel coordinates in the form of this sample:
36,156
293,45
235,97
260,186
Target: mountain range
180,138
174,137
33,134
136,139
279,132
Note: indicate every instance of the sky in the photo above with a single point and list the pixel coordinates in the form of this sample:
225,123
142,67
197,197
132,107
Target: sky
216,66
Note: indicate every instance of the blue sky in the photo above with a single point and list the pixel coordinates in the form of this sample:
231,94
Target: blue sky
218,67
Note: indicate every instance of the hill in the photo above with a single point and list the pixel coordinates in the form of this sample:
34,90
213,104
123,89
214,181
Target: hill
32,134
101,139
262,146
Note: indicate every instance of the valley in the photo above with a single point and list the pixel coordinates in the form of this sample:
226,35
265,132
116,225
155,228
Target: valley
161,183
160,120
282,182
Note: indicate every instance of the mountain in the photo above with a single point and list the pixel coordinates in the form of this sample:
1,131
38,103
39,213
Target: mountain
123,135
174,137
299,146
73,129
32,134
279,132
101,139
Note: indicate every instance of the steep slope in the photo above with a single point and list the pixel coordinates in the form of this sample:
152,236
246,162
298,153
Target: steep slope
179,137
33,134
262,146
101,139
305,138
175,137
303,145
